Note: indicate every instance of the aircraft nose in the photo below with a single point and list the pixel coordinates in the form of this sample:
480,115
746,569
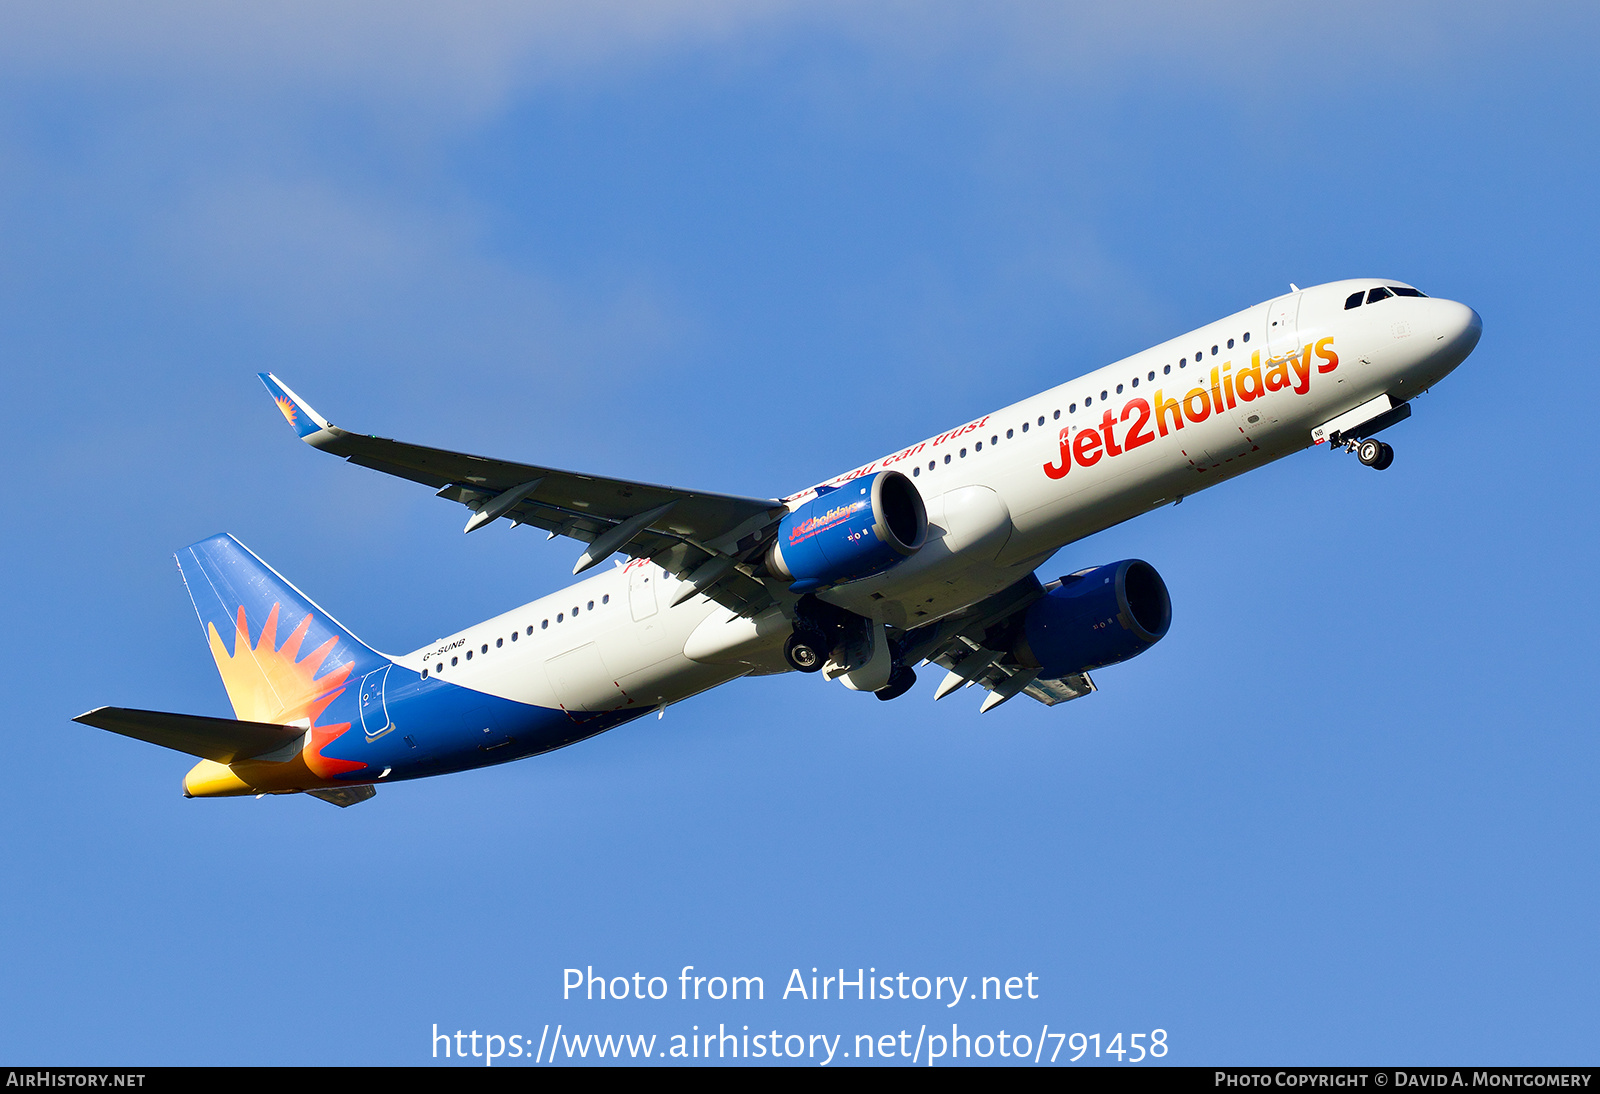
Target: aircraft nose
1457,328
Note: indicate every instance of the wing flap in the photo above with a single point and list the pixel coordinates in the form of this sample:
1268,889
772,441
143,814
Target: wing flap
976,646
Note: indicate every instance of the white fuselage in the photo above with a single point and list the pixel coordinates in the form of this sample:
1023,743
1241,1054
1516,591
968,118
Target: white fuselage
1003,493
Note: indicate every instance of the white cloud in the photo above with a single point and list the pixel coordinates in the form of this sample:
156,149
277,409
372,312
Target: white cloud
461,55
373,280
473,56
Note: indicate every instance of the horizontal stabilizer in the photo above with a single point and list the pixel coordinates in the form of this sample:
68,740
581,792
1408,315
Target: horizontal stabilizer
345,796
221,739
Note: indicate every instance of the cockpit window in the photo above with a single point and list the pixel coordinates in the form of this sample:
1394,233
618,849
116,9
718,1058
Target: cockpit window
1353,300
1401,290
1378,294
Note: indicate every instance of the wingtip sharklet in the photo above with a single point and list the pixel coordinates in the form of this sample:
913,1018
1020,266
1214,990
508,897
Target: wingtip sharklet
305,421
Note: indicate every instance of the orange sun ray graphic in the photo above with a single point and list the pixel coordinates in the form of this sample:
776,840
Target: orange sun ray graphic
288,408
266,683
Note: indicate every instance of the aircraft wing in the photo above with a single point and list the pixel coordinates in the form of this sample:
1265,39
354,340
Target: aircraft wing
976,646
710,541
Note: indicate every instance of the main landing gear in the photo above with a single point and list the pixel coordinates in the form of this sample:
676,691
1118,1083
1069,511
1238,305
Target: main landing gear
900,682
1372,452
806,651
864,653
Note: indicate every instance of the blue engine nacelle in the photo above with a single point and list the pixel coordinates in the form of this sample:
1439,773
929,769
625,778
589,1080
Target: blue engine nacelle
855,530
1095,618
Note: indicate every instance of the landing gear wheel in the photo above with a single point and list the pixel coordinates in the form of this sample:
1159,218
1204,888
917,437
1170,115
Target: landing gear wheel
1370,452
804,651
1385,459
900,682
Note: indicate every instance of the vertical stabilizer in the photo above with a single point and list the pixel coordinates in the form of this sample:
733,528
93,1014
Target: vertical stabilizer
282,658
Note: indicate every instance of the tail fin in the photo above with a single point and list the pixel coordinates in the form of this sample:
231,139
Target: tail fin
245,606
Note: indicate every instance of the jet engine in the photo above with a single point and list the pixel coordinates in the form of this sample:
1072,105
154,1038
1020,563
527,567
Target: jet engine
1095,618
855,530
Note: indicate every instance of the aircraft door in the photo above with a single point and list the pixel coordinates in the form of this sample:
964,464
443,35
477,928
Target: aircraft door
642,592
1283,326
374,707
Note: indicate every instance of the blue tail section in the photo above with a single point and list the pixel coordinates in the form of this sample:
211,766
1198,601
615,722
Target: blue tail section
280,655
287,662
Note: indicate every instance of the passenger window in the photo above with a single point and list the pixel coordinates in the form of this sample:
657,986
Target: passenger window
1166,370
560,616
1152,375
947,458
993,441
424,674
1073,409
1136,381
1213,351
1041,419
915,471
1104,396
590,605
1183,362
1119,389
606,599
486,647
1024,427
530,627
1353,300
978,447
454,661
963,453
498,642
515,635
932,464
1058,415
1246,336
1378,294
1008,434
1230,343
544,625
469,656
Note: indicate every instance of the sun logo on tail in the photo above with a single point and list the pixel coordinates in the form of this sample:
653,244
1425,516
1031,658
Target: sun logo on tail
290,411
271,683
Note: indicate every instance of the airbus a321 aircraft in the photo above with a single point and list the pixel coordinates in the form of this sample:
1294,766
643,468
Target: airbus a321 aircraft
924,556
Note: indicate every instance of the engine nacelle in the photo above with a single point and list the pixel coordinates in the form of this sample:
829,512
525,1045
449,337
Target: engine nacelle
1095,618
859,529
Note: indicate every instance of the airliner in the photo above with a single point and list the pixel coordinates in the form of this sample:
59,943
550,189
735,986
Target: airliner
927,556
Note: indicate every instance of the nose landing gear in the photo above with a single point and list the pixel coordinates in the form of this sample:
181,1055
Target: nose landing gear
1372,452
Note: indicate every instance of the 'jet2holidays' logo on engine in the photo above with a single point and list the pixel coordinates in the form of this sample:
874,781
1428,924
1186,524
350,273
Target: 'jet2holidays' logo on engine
821,523
1227,390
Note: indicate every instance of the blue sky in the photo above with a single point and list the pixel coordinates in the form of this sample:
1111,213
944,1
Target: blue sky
1343,813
